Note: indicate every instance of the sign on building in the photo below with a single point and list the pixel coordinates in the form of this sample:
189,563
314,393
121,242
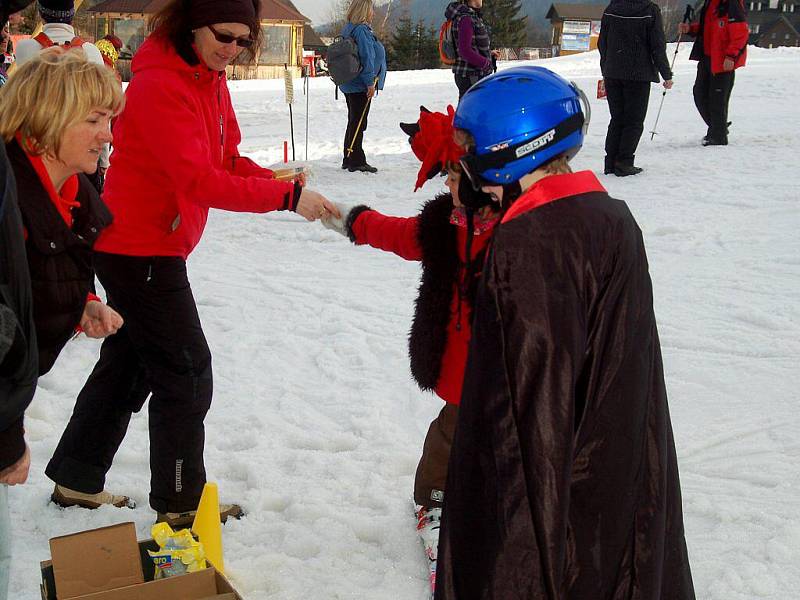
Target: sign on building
575,41
579,27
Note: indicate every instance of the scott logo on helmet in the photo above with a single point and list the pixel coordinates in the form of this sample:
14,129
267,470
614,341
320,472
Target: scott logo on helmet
542,140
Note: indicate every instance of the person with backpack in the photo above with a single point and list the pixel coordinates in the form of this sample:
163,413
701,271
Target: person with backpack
633,51
471,37
359,92
449,237
563,480
176,156
720,48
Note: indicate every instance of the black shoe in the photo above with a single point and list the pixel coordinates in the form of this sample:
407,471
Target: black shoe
608,169
708,136
621,170
712,141
345,165
365,168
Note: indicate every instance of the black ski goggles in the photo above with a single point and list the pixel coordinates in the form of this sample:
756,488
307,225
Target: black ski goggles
224,38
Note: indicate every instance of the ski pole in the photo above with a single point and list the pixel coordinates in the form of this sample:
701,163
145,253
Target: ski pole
308,93
687,16
361,120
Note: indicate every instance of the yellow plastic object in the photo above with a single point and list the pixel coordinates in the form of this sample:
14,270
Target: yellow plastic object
207,527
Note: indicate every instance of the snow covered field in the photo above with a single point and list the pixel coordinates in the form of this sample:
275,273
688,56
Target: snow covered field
316,425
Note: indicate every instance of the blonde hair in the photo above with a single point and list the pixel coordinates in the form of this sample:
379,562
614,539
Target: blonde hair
52,92
359,11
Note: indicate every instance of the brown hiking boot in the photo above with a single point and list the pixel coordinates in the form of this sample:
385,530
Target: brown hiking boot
185,519
66,497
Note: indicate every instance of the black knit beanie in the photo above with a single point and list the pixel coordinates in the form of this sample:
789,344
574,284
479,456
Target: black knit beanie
57,11
209,12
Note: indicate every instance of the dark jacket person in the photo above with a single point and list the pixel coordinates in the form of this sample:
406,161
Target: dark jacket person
563,477
632,55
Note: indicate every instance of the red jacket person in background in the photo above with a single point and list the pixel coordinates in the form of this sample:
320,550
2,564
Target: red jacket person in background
720,48
176,156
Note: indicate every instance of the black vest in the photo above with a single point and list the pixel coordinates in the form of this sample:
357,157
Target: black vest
59,258
441,269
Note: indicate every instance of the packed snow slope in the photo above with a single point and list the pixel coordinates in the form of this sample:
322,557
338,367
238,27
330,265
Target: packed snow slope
316,425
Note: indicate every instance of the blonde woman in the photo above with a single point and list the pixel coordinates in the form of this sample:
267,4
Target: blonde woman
359,91
55,114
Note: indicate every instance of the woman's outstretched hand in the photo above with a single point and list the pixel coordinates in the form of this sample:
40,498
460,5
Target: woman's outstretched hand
313,205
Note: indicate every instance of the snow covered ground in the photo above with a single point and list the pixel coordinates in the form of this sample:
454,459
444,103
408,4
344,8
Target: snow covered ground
316,425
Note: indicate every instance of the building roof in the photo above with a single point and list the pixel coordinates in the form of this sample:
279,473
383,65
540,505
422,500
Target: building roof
277,10
584,12
311,38
779,21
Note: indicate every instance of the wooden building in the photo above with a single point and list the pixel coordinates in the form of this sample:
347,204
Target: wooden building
576,27
773,23
281,23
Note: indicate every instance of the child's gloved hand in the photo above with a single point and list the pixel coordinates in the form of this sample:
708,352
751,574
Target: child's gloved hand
339,225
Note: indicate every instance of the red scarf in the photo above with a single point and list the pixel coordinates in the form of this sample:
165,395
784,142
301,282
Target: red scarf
65,200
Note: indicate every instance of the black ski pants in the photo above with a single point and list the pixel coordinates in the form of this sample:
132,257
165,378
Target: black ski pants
357,104
161,350
627,102
464,82
711,96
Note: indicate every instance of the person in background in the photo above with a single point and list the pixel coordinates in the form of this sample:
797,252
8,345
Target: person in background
109,47
563,479
633,51
175,157
360,91
473,44
720,48
57,30
449,237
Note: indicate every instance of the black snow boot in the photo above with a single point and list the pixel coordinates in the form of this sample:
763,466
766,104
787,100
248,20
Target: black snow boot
626,170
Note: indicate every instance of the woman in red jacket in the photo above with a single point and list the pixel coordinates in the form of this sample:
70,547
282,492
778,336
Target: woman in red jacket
720,48
450,237
175,157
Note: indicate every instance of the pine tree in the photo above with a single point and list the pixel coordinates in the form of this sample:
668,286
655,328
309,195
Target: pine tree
507,26
413,46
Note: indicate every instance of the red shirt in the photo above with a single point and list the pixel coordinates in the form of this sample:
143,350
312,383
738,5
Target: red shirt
175,156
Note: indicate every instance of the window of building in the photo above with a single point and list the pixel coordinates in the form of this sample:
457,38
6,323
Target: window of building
774,35
131,32
754,28
277,45
787,36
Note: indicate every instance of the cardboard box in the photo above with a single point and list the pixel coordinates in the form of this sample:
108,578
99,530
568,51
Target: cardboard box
109,564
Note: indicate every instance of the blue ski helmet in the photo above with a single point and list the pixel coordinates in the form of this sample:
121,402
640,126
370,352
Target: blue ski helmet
520,119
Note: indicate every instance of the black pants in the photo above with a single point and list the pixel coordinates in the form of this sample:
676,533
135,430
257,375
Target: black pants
627,102
357,102
160,349
711,96
464,82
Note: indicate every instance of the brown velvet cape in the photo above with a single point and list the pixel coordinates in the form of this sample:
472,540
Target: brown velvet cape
563,480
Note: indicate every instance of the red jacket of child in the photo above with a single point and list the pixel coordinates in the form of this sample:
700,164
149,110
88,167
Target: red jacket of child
399,235
175,156
723,33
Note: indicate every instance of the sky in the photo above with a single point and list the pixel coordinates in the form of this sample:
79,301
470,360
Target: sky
316,10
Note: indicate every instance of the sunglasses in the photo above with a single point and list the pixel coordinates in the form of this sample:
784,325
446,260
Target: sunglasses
224,38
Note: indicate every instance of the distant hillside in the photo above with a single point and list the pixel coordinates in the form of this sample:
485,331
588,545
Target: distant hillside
432,11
